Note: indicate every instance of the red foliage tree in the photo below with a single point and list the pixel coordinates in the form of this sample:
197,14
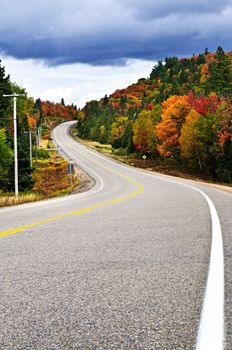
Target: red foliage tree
203,105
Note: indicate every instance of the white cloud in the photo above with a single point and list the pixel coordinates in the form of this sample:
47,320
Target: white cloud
76,83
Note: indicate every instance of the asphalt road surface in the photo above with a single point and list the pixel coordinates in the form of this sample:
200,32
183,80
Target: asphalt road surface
121,266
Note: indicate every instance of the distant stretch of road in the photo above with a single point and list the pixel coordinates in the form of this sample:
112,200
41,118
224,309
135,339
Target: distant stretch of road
141,261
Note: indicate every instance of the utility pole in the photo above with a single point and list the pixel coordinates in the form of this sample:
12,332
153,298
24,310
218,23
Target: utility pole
30,148
15,142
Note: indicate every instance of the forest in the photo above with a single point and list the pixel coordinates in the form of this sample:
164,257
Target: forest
180,115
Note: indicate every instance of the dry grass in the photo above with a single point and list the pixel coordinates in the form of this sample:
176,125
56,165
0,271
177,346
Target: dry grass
104,148
12,200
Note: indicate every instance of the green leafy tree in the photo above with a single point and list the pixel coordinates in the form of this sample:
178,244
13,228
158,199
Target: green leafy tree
121,133
6,159
24,105
224,134
205,129
224,163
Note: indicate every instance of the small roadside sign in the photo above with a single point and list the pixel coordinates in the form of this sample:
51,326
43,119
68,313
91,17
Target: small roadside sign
144,159
70,169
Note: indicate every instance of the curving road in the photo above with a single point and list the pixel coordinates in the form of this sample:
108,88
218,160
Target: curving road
122,266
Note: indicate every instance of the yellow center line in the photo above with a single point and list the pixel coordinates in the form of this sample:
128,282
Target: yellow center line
84,210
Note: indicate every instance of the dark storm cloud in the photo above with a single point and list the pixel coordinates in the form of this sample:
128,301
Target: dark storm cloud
110,31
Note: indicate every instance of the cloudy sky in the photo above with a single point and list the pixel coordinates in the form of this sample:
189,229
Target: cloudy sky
81,49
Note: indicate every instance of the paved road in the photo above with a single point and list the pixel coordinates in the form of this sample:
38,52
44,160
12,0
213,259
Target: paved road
122,266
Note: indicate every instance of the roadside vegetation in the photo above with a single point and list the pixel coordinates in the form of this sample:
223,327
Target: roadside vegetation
48,175
49,178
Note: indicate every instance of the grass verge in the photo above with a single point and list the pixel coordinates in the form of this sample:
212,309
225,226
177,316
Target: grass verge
10,199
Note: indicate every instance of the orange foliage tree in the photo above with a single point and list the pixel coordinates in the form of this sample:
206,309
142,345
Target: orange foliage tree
168,131
31,122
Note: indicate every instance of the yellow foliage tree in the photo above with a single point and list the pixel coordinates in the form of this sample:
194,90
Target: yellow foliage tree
189,141
119,127
144,137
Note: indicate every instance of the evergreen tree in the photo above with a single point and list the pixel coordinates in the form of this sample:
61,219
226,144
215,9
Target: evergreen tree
105,100
5,88
158,71
220,72
224,163
123,101
38,106
201,59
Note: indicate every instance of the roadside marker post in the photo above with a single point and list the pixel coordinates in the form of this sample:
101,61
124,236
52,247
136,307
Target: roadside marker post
144,159
71,172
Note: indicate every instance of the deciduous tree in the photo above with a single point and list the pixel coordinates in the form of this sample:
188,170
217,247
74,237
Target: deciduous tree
174,113
144,137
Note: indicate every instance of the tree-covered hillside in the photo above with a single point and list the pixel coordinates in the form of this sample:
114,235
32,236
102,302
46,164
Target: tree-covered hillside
181,114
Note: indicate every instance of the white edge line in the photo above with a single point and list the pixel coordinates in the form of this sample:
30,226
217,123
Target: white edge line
211,328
